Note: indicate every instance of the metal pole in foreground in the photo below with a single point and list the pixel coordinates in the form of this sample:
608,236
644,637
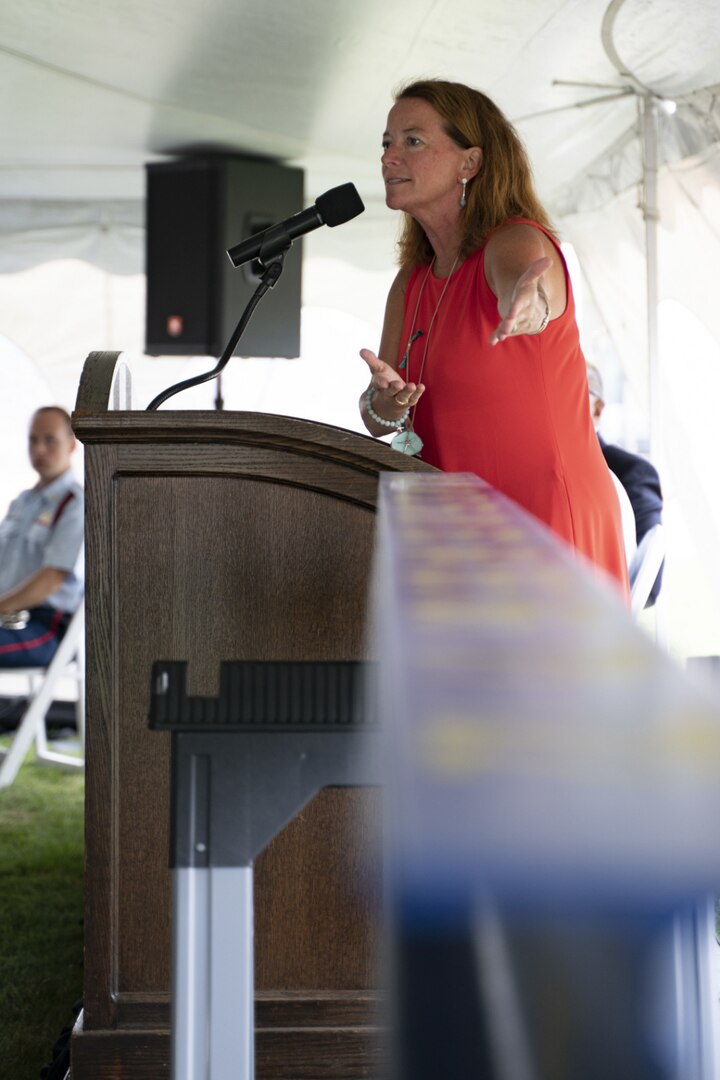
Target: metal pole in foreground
212,991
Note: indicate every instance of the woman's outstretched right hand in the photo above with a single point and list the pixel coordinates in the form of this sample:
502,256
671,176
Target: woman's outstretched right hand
392,393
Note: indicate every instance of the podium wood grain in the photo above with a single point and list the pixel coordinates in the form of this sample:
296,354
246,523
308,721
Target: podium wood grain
213,536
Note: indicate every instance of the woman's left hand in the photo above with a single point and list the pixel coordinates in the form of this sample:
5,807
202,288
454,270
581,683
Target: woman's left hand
527,307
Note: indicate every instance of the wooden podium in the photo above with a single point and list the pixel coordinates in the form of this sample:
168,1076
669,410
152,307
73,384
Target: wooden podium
218,536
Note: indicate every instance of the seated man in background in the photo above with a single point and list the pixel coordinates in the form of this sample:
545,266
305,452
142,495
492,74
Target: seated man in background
41,540
639,478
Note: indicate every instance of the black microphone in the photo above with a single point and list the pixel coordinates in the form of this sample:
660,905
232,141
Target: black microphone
335,207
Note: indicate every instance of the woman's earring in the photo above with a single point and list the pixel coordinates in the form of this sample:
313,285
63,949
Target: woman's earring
463,197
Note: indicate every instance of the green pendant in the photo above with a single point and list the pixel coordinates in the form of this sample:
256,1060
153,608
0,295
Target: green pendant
407,442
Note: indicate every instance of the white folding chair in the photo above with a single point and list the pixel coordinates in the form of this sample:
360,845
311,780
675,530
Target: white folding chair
69,660
627,515
644,567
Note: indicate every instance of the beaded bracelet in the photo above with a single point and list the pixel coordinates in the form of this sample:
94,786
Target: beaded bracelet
399,423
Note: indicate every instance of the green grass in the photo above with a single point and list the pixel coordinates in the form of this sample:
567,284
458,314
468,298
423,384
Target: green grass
41,910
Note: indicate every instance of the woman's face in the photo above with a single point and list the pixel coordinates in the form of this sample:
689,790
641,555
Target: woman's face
421,165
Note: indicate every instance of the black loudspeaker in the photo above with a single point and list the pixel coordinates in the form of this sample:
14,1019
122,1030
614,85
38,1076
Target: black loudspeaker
196,209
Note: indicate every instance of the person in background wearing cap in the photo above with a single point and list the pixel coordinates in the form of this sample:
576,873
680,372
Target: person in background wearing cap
636,474
41,541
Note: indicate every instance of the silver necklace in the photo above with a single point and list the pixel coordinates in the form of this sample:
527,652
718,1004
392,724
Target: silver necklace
408,441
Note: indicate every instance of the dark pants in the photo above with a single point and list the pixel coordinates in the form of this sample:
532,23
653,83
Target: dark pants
35,645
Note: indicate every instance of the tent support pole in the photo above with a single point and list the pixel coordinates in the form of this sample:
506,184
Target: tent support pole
651,216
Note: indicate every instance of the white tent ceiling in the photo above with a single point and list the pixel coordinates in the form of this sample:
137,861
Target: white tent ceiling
90,91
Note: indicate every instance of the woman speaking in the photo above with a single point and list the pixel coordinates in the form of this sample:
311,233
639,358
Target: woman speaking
480,367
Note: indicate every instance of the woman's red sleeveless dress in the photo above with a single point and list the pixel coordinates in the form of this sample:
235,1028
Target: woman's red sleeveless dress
517,414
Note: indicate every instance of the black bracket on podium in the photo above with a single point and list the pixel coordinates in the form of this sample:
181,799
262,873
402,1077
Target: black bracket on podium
244,763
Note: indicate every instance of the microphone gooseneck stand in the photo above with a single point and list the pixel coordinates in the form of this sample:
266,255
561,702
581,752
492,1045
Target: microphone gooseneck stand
272,260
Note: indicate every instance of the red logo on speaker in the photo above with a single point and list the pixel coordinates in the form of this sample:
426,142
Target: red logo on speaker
174,325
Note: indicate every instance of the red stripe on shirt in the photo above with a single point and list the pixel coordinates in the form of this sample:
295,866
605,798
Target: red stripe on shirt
61,506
